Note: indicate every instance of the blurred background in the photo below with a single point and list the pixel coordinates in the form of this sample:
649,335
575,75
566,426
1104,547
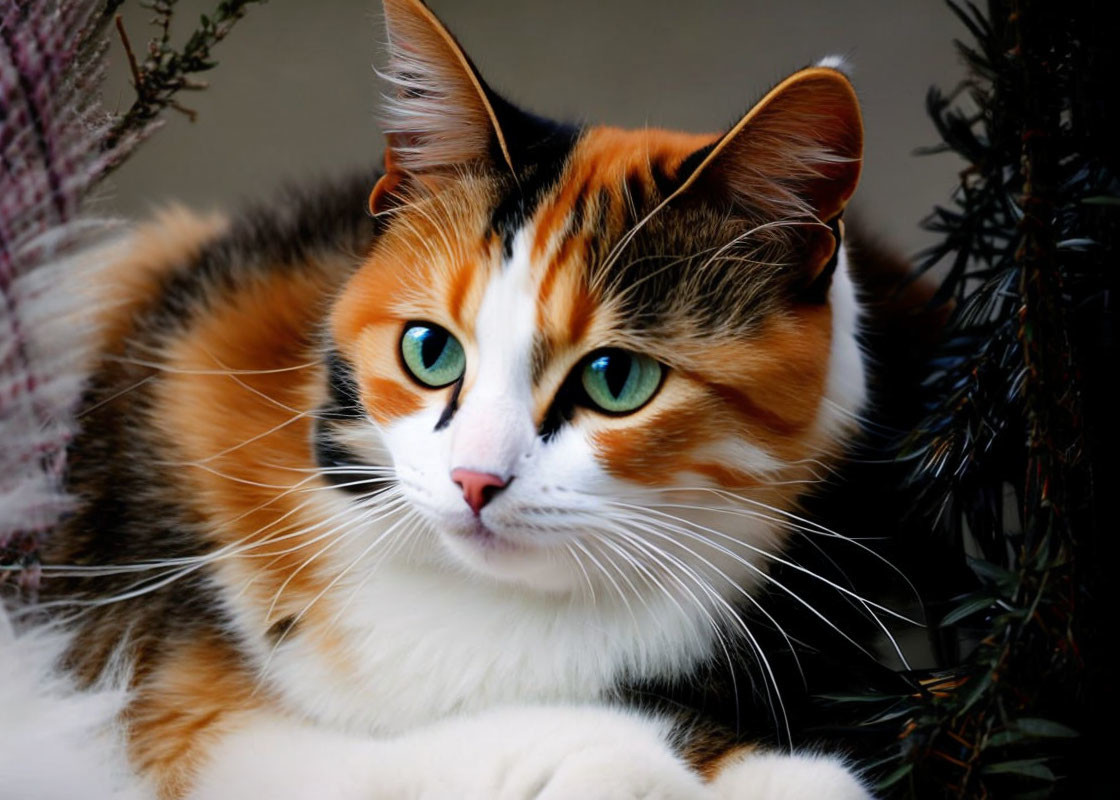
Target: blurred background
295,96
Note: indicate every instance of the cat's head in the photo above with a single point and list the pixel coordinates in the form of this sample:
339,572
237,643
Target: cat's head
589,353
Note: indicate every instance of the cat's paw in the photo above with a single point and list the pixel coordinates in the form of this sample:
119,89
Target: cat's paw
771,776
562,753
622,772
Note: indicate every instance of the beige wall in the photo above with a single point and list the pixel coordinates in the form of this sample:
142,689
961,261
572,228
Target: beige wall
295,96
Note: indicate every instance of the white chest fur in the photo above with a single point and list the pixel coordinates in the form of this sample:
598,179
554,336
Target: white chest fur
421,645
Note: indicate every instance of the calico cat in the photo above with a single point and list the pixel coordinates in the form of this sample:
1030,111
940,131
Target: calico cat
394,494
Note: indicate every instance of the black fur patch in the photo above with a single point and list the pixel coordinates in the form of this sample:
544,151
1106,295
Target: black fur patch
345,402
689,165
817,291
344,407
539,149
330,454
684,267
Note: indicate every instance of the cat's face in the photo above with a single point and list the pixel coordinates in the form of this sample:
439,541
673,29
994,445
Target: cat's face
599,355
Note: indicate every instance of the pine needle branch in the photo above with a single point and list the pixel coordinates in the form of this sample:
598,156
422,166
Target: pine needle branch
1008,460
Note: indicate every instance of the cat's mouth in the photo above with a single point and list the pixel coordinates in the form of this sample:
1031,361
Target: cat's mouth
508,555
486,539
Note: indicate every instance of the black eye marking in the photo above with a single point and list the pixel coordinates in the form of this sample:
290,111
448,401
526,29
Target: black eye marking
563,406
452,406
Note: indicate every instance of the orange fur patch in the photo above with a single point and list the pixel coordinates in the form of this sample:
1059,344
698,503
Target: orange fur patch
245,436
601,163
463,277
126,284
652,450
388,399
182,709
710,768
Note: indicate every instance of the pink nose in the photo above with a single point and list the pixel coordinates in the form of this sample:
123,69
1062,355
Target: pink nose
478,487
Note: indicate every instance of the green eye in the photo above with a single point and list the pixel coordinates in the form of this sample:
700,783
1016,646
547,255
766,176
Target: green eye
619,382
432,355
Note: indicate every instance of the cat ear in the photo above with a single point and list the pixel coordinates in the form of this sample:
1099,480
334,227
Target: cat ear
796,155
439,114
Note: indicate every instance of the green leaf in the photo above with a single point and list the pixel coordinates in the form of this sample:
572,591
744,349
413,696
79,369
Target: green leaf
1029,767
965,609
1004,738
1101,200
887,716
978,689
993,573
1044,728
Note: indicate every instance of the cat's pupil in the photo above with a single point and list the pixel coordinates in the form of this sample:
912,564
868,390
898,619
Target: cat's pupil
616,371
432,344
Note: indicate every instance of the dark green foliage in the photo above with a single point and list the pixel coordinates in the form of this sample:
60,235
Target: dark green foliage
1011,465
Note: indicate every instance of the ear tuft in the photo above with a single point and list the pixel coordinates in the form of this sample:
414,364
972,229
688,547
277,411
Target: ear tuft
836,62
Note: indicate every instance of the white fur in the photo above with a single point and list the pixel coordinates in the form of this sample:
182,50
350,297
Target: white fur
837,62
542,753
846,388
524,753
56,743
773,776
431,644
493,430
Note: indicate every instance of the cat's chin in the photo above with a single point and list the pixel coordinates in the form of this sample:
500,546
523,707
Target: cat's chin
507,558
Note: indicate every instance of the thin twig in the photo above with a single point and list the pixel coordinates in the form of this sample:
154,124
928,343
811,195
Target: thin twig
137,78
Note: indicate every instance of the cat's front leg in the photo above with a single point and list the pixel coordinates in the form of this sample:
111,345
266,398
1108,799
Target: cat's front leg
757,775
523,753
